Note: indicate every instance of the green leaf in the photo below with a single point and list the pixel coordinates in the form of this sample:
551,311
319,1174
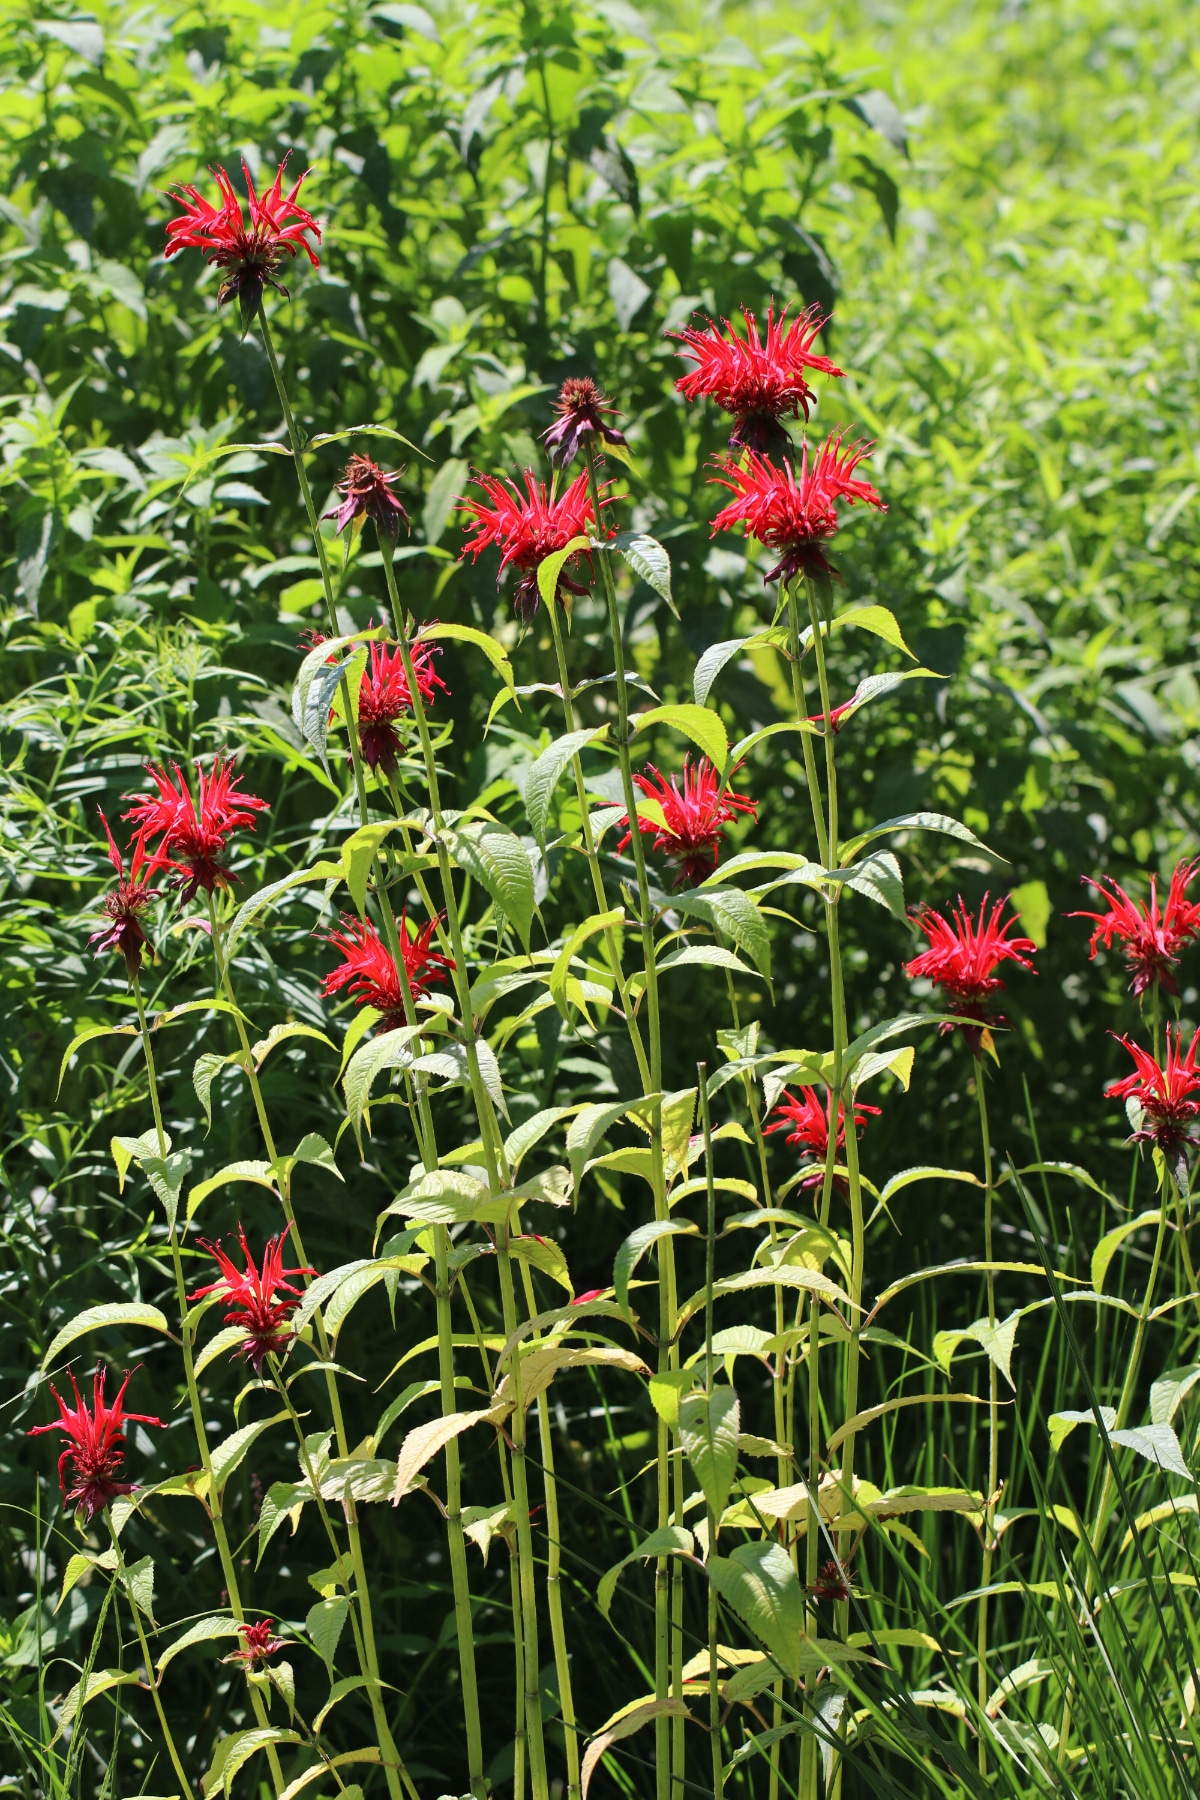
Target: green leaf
531,1131
696,722
495,857
1111,1242
202,1632
560,973
708,1431
121,1312
551,567
916,821
253,1171
996,1341
324,1626
372,430
467,634
1168,1393
226,1340
228,1454
670,1540
635,1247
759,1583
205,1070
87,1037
100,1681
709,956
390,1050
736,914
543,775
451,1197
251,909
878,621
625,1723
232,1752
878,878
649,562
590,1124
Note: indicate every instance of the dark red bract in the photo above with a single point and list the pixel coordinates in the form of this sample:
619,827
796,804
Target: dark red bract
369,970
580,407
131,896
384,697
528,527
694,812
96,1447
194,833
366,492
261,1301
258,1642
806,1121
1166,1094
793,511
962,958
1150,938
250,254
760,380
832,1584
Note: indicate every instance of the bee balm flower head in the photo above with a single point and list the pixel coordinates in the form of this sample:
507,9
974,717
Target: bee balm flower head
249,254
384,697
760,380
694,813
366,492
95,1452
963,956
581,409
124,903
1167,1095
806,1122
1150,936
793,511
194,833
260,1300
526,528
368,968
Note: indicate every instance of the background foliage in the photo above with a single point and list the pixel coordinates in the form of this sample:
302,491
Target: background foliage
512,196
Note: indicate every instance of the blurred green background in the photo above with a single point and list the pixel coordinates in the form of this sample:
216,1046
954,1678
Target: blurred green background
998,202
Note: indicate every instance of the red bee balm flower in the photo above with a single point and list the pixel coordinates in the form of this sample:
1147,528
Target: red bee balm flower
759,380
806,1122
580,408
962,958
1165,1095
131,896
384,696
1151,940
832,1584
366,492
195,836
249,254
96,1450
795,511
369,969
527,528
258,1642
260,1300
693,815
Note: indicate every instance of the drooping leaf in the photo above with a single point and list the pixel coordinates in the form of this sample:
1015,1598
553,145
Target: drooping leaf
671,1540
708,1432
93,1318
759,1583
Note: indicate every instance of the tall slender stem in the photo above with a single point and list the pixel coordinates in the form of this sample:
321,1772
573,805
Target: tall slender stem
213,1501
710,1244
172,1752
668,1657
993,1475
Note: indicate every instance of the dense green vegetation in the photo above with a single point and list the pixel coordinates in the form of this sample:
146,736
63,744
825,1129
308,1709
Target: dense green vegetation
999,203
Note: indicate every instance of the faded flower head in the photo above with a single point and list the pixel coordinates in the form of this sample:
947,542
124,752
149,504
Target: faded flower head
1150,937
368,968
528,527
131,896
261,1301
194,833
258,1642
1166,1095
95,1449
832,1584
760,380
806,1122
694,813
962,958
366,492
793,511
581,408
249,254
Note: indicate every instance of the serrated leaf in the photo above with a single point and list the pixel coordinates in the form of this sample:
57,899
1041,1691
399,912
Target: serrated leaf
696,722
636,1246
226,1341
708,1432
468,634
544,774
878,621
389,1050
228,1454
451,1197
324,1626
120,1312
670,1540
878,878
649,562
495,857
202,1632
253,1171
424,1441
1168,1393
232,1752
643,1712
916,821
736,914
760,1584
258,903
100,1681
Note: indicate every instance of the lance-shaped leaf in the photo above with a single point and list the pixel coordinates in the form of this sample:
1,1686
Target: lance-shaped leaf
469,634
496,858
544,774
552,566
736,915
671,1540
623,1725
708,1431
636,1246
696,722
760,1585
424,1441
93,1318
648,560
916,821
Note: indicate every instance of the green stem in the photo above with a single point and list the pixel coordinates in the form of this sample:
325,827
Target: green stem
213,1501
993,1476
314,525
172,1752
710,1245
668,1658
493,1156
